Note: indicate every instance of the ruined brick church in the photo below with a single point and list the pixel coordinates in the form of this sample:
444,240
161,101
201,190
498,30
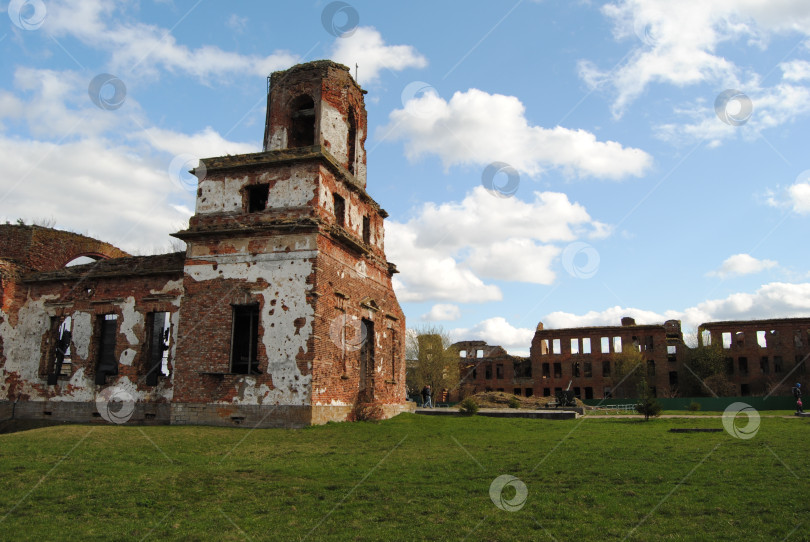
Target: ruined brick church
280,312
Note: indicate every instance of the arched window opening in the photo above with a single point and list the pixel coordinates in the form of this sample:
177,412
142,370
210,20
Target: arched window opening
352,140
302,127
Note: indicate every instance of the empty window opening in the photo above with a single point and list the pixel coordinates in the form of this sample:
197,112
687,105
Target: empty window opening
745,389
529,392
351,143
742,366
761,339
605,345
706,335
673,379
726,340
488,371
575,346
462,353
367,353
617,345
636,345
558,370
555,346
61,361
764,366
157,340
245,339
777,364
546,392
302,127
479,353
588,393
649,342
474,373
606,368
517,391
607,393
366,230
575,369
499,371
576,391
257,196
340,210
588,369
586,345
729,365
543,347
650,368
546,370
522,369
672,352
107,364
739,339
797,339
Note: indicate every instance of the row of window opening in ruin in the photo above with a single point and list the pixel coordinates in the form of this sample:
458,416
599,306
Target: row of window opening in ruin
607,345
764,339
583,369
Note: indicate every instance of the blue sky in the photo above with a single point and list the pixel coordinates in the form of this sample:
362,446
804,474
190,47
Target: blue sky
641,157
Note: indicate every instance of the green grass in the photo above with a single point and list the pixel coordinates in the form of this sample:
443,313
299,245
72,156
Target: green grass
410,478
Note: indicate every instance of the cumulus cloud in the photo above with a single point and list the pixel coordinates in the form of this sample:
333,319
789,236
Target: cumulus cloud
741,264
477,128
773,300
795,197
497,331
143,48
444,249
367,48
677,42
442,312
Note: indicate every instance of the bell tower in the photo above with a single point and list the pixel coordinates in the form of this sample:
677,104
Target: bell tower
318,104
285,279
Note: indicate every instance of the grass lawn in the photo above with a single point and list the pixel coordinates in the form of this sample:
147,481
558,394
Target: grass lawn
410,478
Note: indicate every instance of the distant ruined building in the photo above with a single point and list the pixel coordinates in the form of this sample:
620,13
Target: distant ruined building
280,312
760,357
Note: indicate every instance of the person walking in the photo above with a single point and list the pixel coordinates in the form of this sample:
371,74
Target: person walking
426,397
797,393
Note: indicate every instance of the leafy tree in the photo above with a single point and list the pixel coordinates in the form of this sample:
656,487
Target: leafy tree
628,369
431,360
704,372
647,404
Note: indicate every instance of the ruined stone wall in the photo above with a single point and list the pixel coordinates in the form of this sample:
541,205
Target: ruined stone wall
762,356
86,294
45,249
486,367
661,344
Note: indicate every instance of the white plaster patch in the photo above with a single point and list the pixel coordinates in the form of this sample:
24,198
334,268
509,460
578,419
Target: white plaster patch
293,192
82,332
127,357
334,129
171,286
21,344
131,318
218,195
250,393
287,287
278,140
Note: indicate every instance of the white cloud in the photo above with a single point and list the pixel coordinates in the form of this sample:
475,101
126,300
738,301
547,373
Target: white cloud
795,70
444,248
366,48
741,264
207,143
442,312
677,42
800,197
497,331
90,186
773,300
477,128
142,48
